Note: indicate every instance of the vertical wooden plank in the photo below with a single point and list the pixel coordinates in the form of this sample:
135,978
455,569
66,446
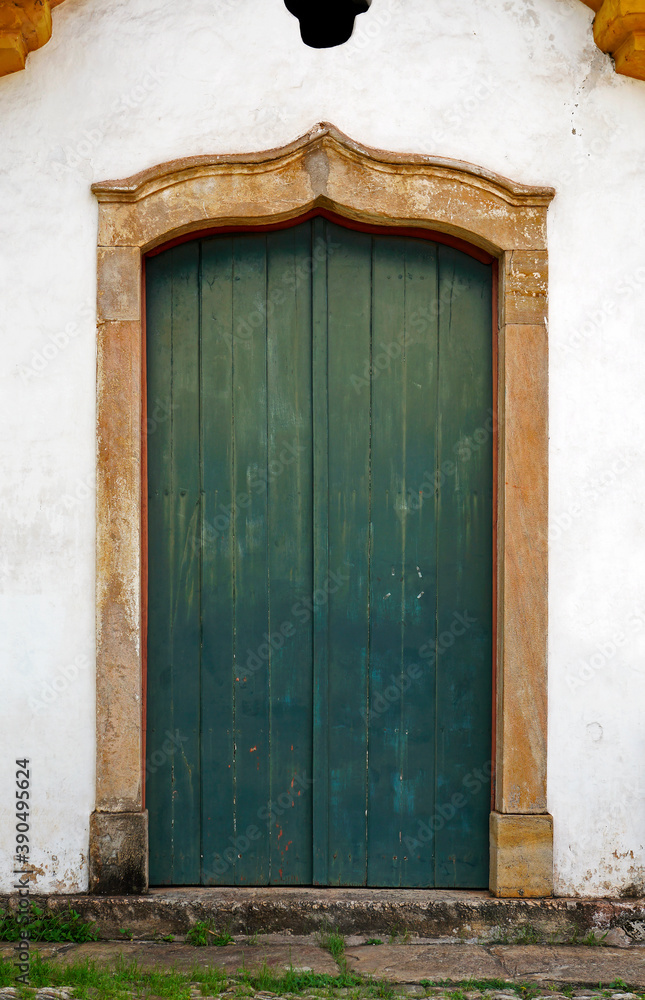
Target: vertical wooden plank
387,562
403,566
184,565
252,647
349,319
216,542
464,607
320,506
418,681
290,552
159,437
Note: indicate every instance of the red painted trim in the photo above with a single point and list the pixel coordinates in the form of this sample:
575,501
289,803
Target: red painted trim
495,665
412,231
144,534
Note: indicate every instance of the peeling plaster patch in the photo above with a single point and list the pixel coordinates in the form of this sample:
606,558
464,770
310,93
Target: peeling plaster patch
317,165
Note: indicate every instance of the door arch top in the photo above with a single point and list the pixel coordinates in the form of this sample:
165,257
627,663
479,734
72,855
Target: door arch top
322,169
326,170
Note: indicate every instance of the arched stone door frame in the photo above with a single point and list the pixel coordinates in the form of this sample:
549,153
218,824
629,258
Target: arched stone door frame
326,170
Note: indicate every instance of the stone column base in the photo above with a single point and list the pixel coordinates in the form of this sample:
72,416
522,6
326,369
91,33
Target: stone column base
521,855
119,853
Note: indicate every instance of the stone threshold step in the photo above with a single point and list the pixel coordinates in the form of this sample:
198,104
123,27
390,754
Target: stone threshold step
474,916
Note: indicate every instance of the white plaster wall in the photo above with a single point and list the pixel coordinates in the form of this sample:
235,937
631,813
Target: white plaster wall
514,85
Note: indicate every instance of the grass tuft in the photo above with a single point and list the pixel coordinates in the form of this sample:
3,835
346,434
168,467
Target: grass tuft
334,942
45,925
205,932
125,979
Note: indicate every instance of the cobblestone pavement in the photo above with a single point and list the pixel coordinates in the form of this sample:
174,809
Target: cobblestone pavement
410,967
403,994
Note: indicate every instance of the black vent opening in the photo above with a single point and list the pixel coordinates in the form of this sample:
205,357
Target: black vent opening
325,23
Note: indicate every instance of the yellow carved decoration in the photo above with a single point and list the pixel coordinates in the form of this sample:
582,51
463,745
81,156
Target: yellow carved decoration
619,30
25,25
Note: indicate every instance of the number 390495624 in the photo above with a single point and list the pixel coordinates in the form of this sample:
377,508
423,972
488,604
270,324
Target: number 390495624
22,806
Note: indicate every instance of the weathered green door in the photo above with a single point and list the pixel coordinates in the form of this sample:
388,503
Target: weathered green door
320,560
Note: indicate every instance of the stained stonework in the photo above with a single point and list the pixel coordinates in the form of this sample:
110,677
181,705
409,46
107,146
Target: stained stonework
521,855
326,170
118,853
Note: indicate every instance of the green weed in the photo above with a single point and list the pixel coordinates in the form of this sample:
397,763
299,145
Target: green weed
524,990
296,982
123,979
334,943
204,933
116,983
524,934
527,934
45,925
591,939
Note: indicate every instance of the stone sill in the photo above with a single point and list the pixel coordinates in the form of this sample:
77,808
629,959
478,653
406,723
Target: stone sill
456,915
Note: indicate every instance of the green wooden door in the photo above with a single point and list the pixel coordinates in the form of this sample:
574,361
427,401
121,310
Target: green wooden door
320,560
